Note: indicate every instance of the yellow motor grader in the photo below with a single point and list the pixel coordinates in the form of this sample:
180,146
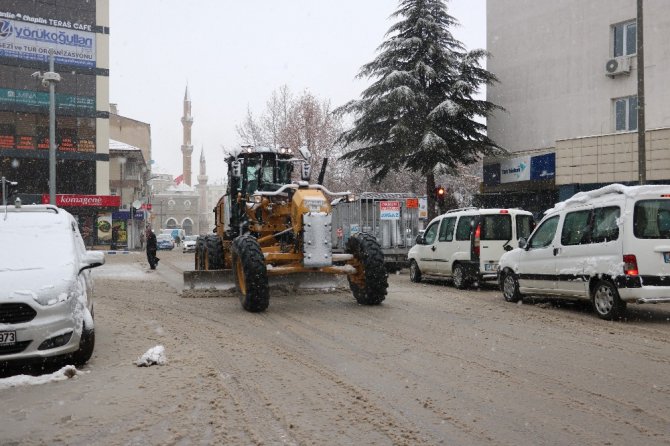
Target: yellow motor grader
271,230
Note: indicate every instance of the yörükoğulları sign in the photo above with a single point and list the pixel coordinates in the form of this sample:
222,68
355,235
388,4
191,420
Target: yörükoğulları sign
389,210
29,41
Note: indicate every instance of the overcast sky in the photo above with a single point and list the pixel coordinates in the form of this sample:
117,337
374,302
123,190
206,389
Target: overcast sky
234,53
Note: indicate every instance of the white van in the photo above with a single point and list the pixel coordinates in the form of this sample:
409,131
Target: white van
610,245
466,244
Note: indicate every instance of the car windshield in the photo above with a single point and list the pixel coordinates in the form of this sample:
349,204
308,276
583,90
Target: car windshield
164,237
191,238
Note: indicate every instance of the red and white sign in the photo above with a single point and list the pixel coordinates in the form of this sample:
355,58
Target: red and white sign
73,200
389,205
146,206
389,210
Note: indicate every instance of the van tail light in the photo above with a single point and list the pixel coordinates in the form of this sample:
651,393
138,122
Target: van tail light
475,246
630,265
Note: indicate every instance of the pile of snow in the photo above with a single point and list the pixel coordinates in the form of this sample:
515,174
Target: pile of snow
67,372
153,356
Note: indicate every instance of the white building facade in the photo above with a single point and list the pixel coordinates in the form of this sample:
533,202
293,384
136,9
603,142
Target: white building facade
568,83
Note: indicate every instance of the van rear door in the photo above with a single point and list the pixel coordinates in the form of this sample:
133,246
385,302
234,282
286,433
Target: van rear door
651,238
495,230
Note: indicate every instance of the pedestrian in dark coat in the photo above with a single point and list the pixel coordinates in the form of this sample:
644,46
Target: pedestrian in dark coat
152,246
115,236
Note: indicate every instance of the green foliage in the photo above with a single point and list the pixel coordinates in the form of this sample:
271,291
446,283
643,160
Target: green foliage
421,110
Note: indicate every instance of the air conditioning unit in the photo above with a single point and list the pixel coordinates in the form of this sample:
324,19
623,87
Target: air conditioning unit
617,66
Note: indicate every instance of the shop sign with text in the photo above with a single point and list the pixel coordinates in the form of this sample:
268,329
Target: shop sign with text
73,200
515,169
389,210
32,41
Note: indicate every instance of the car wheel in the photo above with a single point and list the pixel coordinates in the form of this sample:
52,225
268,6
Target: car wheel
414,272
510,287
606,301
459,276
86,345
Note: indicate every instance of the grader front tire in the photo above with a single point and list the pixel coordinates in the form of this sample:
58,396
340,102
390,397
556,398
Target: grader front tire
250,272
369,285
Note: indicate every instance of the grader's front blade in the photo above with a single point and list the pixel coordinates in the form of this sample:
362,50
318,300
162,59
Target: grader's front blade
221,279
224,280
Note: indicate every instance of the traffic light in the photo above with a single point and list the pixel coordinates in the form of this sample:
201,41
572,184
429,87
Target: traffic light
440,193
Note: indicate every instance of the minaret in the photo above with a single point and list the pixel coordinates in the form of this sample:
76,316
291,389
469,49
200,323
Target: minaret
204,210
186,147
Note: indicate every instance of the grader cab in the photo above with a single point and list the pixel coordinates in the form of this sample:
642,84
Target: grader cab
271,230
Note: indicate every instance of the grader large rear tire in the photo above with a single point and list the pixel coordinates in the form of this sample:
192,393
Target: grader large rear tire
367,251
250,272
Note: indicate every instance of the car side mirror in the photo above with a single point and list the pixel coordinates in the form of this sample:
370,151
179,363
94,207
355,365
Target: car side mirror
92,259
419,239
508,248
523,243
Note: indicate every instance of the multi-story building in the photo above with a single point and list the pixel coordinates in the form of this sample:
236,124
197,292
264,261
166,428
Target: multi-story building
77,32
129,171
568,83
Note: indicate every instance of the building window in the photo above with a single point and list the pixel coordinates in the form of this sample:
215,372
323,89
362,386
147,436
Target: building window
171,204
625,114
625,38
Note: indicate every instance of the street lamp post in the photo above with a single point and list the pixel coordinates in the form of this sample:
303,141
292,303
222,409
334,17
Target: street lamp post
50,78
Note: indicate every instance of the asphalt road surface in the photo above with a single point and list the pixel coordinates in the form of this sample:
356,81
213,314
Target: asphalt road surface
431,365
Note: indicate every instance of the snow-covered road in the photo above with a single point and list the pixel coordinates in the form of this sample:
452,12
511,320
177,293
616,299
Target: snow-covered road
431,365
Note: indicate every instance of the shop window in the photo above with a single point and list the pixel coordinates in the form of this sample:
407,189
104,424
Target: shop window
25,131
7,130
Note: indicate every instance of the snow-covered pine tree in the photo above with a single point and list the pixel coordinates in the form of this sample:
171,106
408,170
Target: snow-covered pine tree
420,111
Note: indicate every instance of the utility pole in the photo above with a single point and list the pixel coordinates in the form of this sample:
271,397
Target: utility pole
641,146
49,79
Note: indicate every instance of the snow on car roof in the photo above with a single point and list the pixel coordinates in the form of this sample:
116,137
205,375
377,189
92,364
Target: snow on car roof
608,193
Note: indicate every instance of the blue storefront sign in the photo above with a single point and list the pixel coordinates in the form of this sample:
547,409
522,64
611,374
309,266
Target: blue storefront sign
125,215
543,167
491,174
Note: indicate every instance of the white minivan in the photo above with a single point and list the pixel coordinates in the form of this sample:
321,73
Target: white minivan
610,245
466,244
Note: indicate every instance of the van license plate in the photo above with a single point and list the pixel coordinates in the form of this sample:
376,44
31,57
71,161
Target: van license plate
7,337
494,266
666,257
